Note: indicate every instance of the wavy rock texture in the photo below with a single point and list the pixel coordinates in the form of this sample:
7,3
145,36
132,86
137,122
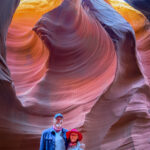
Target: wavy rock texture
81,59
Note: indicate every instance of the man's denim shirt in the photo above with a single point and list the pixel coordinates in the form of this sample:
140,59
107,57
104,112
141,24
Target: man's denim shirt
48,139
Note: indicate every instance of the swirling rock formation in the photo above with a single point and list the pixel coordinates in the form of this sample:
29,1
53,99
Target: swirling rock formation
81,59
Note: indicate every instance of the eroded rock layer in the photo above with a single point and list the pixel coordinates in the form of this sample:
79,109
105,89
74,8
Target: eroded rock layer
88,59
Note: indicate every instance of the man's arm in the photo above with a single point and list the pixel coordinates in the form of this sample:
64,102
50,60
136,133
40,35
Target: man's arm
42,143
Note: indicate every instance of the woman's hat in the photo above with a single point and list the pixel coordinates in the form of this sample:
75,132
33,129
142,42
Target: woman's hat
74,131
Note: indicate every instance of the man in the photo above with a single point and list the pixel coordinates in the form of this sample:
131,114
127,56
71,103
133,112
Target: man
54,138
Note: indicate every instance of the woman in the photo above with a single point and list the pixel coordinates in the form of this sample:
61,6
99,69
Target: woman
74,137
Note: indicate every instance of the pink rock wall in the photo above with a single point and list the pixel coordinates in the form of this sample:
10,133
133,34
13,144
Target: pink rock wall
81,59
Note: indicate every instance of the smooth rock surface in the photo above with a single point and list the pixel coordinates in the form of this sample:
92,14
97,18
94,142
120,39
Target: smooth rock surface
84,59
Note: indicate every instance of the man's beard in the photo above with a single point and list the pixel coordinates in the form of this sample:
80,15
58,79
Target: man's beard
58,126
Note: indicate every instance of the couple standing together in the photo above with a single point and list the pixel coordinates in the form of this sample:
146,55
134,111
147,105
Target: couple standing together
58,138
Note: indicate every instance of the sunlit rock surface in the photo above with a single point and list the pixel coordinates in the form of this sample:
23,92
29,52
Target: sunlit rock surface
80,58
141,5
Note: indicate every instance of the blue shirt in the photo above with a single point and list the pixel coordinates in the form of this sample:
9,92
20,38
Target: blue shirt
48,139
77,147
59,141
